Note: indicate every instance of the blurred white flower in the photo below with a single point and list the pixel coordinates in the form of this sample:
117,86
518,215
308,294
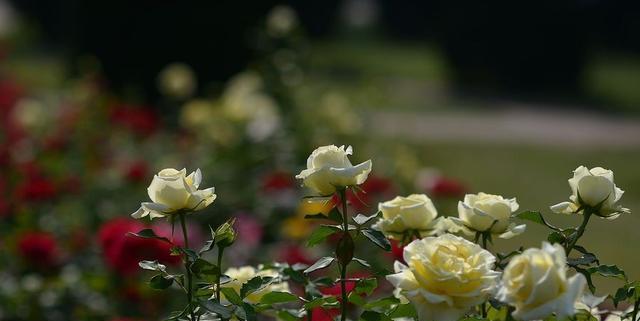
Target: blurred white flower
242,275
414,213
177,80
281,20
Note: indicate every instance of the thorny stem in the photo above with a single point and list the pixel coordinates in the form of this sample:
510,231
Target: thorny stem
220,252
343,267
186,266
573,240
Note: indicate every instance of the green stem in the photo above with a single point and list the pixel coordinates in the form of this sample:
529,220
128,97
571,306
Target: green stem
343,267
481,240
220,251
572,242
186,266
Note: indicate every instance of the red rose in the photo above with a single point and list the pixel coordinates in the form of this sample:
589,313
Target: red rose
137,172
36,188
141,120
123,251
38,249
293,254
397,251
277,181
372,190
320,314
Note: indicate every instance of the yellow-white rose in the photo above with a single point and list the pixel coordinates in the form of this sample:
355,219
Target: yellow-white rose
329,168
536,284
444,277
172,190
403,214
488,213
177,80
593,188
242,275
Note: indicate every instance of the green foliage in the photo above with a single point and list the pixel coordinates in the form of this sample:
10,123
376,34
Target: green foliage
536,217
377,238
321,233
320,264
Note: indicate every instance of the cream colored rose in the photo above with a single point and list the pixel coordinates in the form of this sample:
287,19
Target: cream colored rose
444,277
329,168
593,188
488,213
172,190
536,284
242,275
177,80
407,214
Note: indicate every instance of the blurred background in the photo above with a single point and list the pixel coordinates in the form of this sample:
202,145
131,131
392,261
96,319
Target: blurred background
446,98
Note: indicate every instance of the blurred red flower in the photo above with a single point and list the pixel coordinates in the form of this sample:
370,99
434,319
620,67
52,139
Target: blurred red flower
277,181
446,187
397,251
320,314
293,254
141,120
36,188
123,251
38,249
137,171
374,189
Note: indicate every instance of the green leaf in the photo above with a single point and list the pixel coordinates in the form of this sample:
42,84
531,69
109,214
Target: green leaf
175,315
208,246
622,294
356,299
536,217
334,215
152,266
321,233
190,254
222,311
377,238
278,297
150,234
289,315
325,302
231,295
204,267
362,262
383,303
585,259
363,219
246,312
321,263
159,282
404,311
556,237
611,271
253,285
366,286
373,316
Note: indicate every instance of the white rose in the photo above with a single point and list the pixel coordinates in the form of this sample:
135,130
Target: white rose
407,214
242,275
172,190
177,80
535,283
444,277
486,212
329,168
593,188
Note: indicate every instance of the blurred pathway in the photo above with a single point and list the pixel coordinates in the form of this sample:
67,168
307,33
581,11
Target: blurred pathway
546,127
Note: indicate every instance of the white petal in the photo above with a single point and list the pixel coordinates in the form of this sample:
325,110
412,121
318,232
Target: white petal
513,230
